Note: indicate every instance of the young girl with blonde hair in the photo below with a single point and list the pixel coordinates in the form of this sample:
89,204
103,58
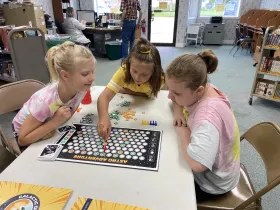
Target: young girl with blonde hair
72,69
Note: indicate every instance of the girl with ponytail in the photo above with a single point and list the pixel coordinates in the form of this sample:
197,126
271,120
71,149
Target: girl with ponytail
209,138
72,69
140,74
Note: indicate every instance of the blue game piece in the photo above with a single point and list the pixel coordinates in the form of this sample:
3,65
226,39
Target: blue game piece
155,123
151,122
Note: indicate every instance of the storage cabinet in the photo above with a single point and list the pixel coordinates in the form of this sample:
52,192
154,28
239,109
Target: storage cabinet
214,33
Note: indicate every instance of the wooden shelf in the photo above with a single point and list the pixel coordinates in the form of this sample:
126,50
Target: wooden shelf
7,61
271,48
260,72
7,79
5,52
267,98
269,74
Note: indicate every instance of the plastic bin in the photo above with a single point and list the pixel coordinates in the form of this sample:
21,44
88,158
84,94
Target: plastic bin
113,50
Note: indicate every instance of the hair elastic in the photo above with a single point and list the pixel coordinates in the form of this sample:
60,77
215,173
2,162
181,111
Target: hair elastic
145,52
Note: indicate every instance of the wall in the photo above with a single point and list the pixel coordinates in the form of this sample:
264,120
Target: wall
182,22
270,4
230,23
86,4
47,6
74,4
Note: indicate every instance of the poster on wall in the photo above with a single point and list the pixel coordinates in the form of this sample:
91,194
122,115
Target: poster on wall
220,7
163,5
14,195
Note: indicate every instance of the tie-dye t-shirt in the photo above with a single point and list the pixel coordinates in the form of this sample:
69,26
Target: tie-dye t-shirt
215,143
43,104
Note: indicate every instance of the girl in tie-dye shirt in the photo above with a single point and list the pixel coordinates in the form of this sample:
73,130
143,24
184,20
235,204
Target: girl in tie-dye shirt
210,142
71,68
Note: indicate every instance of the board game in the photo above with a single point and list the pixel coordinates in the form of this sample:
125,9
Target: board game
14,195
126,147
90,204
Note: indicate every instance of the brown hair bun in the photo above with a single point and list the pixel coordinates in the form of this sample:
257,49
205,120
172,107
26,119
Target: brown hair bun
210,60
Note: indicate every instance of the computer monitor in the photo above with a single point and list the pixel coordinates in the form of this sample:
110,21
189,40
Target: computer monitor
87,15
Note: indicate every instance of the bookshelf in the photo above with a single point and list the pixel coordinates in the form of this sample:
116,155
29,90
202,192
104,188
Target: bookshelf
266,84
7,71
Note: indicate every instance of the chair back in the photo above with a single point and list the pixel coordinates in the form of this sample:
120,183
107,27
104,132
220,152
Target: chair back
245,31
237,33
193,29
14,95
265,138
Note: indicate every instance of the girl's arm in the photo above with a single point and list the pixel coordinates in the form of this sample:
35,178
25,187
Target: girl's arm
79,25
104,123
130,92
179,118
33,130
184,135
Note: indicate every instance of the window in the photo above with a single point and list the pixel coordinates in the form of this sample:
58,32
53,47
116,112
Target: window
107,6
226,8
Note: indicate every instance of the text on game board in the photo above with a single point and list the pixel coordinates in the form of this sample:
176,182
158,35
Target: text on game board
111,160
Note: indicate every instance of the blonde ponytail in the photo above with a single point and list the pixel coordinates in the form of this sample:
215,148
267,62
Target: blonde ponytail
50,62
65,56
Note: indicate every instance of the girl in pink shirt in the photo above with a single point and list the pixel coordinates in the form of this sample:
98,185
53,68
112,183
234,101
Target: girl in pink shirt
210,141
71,68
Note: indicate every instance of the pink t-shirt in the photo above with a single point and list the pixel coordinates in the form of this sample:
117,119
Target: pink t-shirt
215,143
43,104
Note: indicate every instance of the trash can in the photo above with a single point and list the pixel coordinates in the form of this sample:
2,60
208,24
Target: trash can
113,50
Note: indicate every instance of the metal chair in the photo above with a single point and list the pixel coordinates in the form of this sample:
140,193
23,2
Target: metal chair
6,158
265,138
243,39
237,37
12,97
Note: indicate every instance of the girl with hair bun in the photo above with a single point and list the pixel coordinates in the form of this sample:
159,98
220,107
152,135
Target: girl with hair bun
210,136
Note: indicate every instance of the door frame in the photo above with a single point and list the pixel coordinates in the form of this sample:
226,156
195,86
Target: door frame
175,24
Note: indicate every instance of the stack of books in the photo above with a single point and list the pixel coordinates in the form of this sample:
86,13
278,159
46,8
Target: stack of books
2,19
277,92
265,88
273,39
270,65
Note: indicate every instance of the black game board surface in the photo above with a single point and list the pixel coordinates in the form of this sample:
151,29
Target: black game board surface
126,147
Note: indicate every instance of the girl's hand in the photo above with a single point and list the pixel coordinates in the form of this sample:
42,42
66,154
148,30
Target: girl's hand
104,127
62,115
179,120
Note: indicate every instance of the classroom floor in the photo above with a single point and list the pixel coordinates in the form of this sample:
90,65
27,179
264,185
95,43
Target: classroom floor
234,77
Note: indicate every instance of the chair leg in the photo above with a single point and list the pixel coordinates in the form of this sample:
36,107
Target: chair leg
236,50
234,45
232,49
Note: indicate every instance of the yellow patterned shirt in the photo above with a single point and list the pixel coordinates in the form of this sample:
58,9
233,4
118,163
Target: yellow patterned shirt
118,82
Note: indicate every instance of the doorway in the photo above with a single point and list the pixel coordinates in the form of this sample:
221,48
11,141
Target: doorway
162,22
